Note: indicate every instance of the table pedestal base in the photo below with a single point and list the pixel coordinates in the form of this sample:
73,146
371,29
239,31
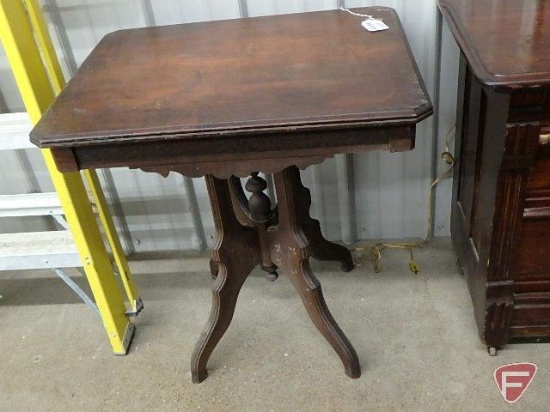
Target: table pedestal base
285,238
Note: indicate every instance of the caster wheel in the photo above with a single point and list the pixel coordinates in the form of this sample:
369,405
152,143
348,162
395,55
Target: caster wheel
492,350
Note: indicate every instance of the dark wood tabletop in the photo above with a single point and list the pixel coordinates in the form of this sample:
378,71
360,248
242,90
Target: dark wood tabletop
288,85
505,41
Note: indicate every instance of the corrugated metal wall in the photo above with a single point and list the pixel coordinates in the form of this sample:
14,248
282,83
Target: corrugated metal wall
361,196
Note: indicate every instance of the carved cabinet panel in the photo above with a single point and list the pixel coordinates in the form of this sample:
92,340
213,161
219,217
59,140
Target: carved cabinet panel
501,207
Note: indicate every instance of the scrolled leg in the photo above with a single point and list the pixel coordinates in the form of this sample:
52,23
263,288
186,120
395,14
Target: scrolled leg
320,248
290,250
300,274
234,256
224,299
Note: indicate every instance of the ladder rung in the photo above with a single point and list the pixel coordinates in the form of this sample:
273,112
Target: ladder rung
32,204
38,250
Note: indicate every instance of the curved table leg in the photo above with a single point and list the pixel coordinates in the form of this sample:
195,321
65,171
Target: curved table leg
290,250
300,274
234,256
224,299
320,248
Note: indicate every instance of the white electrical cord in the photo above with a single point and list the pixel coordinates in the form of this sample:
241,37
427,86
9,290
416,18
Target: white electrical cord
368,16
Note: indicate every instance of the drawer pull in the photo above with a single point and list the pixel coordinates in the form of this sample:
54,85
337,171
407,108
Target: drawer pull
544,138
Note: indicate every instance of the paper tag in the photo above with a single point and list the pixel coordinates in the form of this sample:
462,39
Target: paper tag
374,25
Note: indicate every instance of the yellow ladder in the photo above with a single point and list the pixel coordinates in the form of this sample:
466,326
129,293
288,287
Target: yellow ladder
29,49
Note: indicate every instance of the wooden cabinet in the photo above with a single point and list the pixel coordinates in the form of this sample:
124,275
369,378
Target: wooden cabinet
501,209
501,191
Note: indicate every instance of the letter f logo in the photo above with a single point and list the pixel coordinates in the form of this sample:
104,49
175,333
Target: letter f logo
513,379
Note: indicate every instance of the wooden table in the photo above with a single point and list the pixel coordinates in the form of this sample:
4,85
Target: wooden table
229,99
501,196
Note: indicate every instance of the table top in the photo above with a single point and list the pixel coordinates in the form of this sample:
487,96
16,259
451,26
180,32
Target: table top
243,77
506,42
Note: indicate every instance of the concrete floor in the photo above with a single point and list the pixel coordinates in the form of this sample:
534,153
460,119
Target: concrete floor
415,336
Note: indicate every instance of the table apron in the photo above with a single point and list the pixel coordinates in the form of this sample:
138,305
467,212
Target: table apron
236,156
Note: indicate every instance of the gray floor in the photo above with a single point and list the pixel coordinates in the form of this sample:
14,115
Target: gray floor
415,336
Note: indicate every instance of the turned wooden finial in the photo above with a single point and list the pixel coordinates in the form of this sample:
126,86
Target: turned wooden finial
259,206
259,203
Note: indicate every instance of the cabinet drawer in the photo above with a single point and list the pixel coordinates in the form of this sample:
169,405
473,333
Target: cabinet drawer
540,174
532,257
532,312
530,332
537,205
531,315
537,194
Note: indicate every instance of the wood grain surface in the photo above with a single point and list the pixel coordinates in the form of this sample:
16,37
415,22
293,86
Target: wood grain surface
501,190
307,71
505,41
